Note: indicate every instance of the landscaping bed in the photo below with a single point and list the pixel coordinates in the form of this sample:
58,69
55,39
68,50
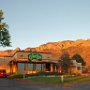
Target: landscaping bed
51,78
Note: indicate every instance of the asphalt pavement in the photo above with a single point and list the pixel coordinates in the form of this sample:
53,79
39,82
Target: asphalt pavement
7,84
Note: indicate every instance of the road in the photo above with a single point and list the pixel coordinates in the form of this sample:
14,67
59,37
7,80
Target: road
6,84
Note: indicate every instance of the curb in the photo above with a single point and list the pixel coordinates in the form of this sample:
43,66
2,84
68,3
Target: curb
50,84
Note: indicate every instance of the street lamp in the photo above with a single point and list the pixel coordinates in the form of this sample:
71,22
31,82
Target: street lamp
62,77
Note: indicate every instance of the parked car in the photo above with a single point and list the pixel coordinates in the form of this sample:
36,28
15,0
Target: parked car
3,73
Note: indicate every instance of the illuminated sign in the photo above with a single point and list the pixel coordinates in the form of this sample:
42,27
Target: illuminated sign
35,56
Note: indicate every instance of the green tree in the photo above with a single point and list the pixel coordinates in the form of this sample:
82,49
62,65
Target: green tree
65,62
79,59
4,33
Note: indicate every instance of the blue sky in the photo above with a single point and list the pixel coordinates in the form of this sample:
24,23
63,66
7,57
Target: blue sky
35,22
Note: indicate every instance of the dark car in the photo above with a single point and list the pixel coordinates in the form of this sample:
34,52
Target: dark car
3,73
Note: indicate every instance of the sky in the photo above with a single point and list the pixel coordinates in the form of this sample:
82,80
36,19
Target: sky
35,22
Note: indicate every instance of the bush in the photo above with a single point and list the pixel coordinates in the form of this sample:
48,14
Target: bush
76,72
36,74
16,76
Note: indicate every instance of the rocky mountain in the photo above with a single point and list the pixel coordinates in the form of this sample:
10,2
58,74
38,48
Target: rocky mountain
8,52
80,46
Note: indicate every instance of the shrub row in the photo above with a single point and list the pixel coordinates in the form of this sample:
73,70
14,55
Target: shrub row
37,74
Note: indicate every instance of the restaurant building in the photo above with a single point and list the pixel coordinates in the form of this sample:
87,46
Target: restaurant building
29,62
32,62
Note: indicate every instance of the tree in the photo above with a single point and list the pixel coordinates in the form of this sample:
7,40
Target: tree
65,62
79,59
4,33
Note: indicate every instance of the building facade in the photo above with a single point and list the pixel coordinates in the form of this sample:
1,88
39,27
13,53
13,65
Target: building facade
32,62
29,62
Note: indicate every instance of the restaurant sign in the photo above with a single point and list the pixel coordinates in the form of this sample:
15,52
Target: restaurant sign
35,56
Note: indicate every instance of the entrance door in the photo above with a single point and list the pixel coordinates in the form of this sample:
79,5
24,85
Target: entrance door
48,67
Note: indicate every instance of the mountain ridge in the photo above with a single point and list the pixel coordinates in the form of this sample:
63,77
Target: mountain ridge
79,46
